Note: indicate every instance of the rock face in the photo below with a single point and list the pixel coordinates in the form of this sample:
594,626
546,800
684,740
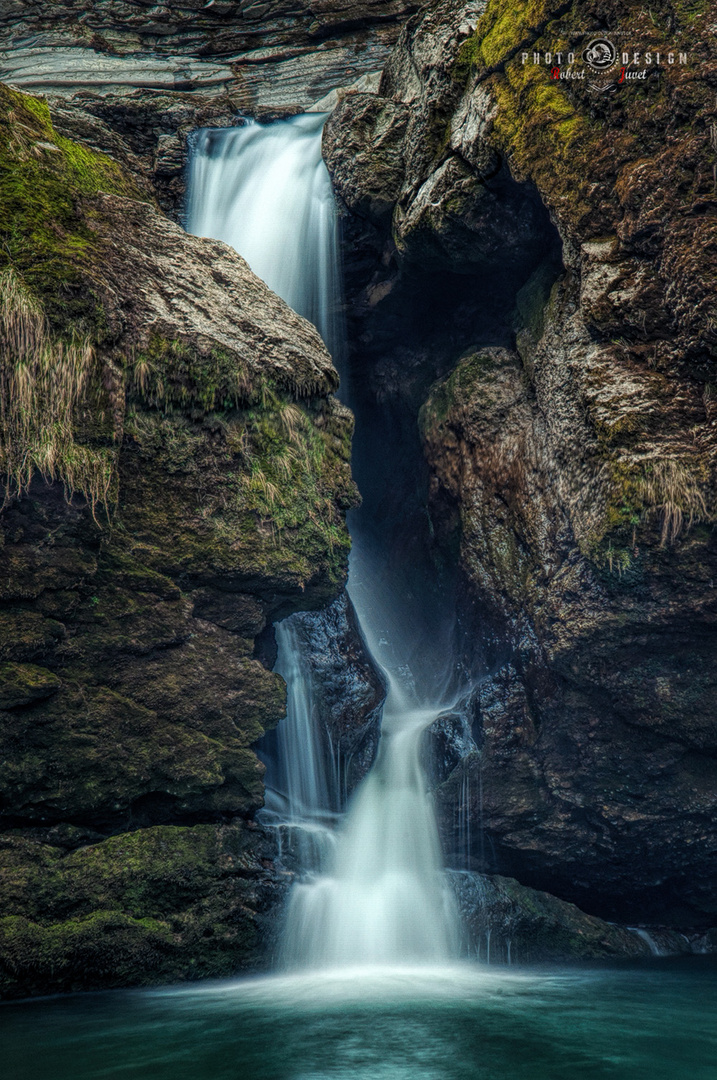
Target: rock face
176,477
264,56
347,691
506,923
430,197
574,472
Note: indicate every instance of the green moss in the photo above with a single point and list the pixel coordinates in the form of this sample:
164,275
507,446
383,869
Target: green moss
688,10
573,143
56,413
24,635
53,403
162,903
40,110
120,567
468,57
22,683
174,373
81,953
504,26
663,496
45,239
461,385
264,488
546,138
96,751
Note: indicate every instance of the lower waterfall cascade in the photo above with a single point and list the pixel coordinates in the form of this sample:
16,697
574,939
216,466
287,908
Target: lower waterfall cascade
375,891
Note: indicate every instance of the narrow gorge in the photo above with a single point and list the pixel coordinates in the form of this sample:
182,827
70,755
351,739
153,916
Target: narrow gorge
358,551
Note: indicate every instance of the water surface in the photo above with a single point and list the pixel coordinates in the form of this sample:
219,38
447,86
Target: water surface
654,1022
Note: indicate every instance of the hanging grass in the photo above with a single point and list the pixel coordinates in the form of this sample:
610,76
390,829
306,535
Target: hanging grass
45,384
669,488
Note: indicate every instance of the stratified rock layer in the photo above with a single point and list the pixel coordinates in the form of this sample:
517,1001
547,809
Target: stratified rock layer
134,79
260,56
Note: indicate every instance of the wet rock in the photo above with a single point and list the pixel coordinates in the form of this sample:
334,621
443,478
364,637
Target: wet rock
170,157
160,904
450,742
347,686
68,70
589,736
506,923
577,478
364,151
424,196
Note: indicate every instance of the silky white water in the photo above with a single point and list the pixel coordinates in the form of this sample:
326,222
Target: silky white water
300,787
384,899
301,799
380,896
264,189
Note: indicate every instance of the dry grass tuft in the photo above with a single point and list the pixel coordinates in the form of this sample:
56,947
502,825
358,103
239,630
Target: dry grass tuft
268,491
669,487
293,422
43,385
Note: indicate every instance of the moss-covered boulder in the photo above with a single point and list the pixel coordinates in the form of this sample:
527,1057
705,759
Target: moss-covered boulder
154,905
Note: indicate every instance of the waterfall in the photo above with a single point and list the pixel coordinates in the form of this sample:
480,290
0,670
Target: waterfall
301,797
264,189
384,900
379,896
300,786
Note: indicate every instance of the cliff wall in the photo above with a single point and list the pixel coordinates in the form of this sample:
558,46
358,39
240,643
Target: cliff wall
573,456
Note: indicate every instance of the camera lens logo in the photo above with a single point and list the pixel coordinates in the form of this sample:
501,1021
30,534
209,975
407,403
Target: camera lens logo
600,54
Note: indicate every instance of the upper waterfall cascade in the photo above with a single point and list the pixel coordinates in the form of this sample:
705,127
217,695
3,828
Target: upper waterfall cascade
379,896
264,189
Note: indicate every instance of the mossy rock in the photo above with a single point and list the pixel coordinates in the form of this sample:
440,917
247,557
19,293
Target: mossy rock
21,684
149,906
468,384
46,238
82,953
